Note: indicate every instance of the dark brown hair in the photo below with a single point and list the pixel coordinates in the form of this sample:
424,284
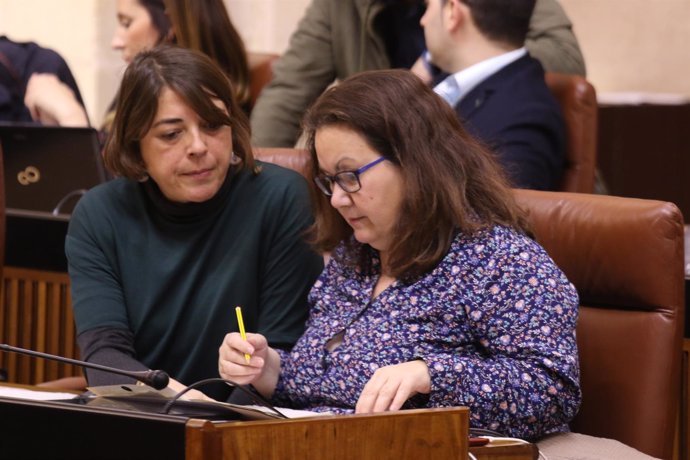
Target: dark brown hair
452,183
196,79
204,25
505,21
160,20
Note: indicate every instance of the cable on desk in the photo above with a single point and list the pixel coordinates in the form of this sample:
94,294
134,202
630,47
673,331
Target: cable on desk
256,398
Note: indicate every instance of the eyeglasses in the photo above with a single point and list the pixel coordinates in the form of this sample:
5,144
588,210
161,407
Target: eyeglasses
346,180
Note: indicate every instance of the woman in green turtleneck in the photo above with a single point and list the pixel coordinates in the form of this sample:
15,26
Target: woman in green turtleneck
160,257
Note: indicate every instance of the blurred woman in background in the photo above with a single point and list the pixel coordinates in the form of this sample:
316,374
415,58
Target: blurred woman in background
203,25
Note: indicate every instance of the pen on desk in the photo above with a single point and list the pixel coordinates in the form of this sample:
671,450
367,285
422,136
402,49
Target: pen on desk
238,310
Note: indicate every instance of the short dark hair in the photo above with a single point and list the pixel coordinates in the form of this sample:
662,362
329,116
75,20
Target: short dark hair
505,21
452,183
196,79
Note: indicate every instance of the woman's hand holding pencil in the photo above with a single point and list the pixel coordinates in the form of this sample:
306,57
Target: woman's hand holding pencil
233,353
246,358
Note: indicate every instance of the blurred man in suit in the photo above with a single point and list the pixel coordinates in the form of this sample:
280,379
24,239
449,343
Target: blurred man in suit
339,38
496,87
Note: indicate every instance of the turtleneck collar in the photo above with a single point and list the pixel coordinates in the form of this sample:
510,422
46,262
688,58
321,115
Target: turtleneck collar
188,212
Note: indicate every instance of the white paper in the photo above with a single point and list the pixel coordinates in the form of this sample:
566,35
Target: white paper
22,393
295,413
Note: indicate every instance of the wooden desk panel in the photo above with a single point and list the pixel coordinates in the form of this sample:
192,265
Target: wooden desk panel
417,434
30,431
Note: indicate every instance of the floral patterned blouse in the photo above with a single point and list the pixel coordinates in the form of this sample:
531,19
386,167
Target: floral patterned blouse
494,321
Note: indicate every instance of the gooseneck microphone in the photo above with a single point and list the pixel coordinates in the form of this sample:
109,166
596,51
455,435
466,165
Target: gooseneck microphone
153,378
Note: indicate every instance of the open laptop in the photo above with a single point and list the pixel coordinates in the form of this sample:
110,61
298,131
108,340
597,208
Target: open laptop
48,168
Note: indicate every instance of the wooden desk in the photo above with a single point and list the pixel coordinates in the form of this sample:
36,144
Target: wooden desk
417,434
30,430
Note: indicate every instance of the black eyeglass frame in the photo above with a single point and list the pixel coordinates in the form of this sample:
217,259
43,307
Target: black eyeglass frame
346,180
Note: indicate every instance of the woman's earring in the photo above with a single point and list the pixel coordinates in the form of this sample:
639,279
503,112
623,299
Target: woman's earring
235,160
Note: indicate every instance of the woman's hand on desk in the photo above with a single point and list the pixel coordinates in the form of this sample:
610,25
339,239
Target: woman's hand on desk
262,369
391,386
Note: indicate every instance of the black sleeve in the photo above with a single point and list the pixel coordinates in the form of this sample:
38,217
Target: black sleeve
109,346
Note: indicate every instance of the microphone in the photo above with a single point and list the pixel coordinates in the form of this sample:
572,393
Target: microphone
153,378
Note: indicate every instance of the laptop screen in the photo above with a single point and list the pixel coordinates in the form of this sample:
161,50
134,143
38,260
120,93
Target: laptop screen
48,168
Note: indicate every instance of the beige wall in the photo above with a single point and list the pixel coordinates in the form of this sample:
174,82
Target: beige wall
266,25
629,45
634,45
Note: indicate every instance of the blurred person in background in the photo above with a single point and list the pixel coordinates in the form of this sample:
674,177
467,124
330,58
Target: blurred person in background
26,66
203,25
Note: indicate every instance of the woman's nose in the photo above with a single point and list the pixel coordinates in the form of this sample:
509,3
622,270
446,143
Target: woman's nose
197,143
339,197
117,43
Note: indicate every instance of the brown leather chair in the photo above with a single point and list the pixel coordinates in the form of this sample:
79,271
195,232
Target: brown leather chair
625,256
295,159
260,73
578,102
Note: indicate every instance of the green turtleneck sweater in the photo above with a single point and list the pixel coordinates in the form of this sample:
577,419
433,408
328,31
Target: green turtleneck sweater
172,274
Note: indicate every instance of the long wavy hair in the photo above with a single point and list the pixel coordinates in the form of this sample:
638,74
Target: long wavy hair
452,182
205,25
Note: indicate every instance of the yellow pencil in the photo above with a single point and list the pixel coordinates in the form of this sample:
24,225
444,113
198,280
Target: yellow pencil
238,310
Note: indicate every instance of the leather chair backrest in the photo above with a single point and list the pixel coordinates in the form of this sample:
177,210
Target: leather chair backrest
260,73
625,257
295,159
578,102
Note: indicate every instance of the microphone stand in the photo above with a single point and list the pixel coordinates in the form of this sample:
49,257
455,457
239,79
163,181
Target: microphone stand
153,378
159,380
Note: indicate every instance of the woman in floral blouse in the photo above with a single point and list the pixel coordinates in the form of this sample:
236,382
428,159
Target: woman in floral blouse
434,295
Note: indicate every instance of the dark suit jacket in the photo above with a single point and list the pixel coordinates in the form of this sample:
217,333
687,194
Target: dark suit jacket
514,113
